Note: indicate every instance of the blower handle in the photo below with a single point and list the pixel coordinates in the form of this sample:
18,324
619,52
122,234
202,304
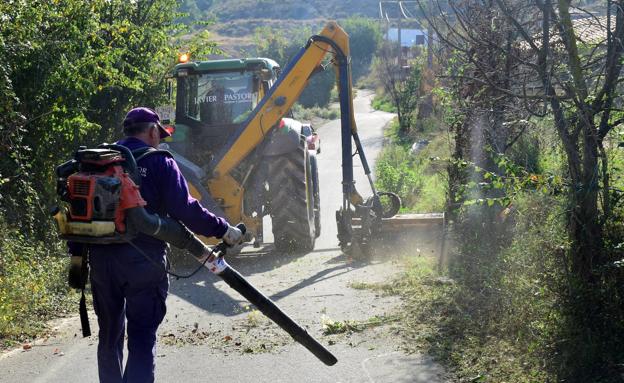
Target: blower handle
221,248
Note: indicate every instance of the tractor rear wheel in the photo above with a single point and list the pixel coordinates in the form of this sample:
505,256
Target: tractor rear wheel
317,193
292,201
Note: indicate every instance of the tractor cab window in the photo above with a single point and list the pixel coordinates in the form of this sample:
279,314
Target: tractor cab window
218,98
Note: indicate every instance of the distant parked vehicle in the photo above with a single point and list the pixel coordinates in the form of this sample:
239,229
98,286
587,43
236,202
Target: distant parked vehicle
312,138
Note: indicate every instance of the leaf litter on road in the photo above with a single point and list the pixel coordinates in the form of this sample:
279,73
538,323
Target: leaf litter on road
252,334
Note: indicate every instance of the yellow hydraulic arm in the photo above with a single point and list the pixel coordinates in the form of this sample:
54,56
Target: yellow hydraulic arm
283,95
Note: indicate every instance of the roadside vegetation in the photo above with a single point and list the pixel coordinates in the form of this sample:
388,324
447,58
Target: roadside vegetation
315,112
532,188
383,103
33,285
414,169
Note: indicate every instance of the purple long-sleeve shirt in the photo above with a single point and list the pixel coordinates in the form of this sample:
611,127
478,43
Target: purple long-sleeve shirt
166,192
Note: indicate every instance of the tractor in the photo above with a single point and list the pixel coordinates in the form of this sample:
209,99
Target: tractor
245,156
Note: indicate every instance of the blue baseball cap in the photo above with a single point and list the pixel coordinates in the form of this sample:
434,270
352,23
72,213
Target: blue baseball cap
143,115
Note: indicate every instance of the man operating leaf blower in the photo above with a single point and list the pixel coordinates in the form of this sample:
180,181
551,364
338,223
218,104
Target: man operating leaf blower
125,283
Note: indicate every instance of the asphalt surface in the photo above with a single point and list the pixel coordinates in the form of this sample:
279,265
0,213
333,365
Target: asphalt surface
212,334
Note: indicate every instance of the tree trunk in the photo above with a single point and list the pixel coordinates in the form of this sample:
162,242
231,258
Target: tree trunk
585,225
456,171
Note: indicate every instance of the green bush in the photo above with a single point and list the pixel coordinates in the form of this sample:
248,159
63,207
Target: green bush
282,46
69,74
364,39
383,103
307,114
395,173
418,178
33,284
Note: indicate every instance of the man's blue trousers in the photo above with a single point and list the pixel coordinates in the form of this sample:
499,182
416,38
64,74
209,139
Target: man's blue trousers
126,285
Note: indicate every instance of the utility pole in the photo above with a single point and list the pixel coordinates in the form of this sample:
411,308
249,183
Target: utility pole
400,45
383,16
429,39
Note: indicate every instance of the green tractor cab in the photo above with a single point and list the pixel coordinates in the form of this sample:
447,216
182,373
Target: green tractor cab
214,98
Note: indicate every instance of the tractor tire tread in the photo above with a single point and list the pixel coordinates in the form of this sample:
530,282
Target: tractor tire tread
293,228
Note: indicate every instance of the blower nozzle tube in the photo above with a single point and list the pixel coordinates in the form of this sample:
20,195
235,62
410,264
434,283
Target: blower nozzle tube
173,232
273,312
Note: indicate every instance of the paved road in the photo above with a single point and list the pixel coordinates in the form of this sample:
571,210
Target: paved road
211,334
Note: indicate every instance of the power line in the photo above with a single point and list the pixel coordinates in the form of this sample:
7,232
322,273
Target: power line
411,15
402,10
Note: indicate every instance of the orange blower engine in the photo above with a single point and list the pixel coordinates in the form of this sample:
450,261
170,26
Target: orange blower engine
102,203
98,190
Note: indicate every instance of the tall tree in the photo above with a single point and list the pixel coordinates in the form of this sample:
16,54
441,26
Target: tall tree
548,65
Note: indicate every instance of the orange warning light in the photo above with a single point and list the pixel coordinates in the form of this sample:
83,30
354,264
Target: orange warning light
184,57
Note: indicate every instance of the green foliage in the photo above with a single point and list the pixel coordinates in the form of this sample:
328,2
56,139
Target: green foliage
364,39
504,187
33,284
396,174
73,82
409,96
383,103
418,178
194,11
308,114
282,46
402,89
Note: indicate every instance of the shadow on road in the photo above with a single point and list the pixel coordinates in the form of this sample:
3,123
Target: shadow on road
200,290
342,267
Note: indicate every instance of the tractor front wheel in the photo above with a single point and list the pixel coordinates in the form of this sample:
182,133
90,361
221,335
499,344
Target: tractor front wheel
292,204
